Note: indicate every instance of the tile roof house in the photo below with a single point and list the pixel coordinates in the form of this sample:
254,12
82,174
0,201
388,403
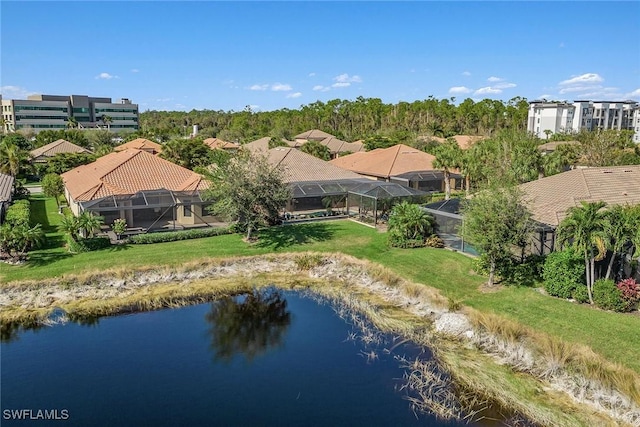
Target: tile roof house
549,198
299,166
138,186
60,146
312,135
384,163
402,164
6,193
217,143
259,145
337,146
141,144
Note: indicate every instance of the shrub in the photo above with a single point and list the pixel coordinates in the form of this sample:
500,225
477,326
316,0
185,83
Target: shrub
308,261
563,272
172,236
607,296
581,294
434,241
409,226
18,213
630,291
86,245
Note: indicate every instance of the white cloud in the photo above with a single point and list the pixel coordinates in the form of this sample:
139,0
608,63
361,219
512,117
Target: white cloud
294,95
135,70
180,106
279,87
545,96
312,74
341,84
345,78
106,76
460,89
164,99
466,73
15,92
487,91
321,88
582,79
259,87
635,93
579,89
505,85
494,79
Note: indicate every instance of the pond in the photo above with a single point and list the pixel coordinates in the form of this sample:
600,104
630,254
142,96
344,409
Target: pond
269,358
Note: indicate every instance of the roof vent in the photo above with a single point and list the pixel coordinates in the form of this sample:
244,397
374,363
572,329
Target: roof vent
628,170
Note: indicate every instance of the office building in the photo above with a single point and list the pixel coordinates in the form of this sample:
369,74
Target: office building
41,112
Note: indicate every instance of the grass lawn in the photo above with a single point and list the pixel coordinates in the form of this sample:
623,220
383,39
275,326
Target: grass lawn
615,336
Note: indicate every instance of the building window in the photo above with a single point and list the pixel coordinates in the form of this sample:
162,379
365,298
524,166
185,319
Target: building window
187,208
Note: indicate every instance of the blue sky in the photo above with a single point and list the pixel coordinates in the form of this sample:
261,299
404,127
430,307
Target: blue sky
167,55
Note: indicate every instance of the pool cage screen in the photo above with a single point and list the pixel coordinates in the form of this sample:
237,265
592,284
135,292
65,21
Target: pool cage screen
371,202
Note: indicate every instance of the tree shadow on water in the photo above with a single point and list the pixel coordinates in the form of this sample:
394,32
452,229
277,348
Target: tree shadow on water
289,235
249,325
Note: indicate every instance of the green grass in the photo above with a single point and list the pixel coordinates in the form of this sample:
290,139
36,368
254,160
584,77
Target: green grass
614,336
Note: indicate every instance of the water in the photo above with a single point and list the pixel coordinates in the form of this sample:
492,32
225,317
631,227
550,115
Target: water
275,360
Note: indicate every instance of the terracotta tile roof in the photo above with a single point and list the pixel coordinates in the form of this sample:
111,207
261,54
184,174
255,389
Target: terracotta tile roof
313,135
387,162
57,147
6,187
259,145
336,145
464,141
550,197
128,172
214,143
141,144
299,166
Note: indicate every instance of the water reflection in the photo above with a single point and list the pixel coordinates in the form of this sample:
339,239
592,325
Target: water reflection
248,325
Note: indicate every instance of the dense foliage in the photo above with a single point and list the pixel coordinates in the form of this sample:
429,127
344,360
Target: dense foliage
409,226
248,190
563,273
172,236
349,120
17,237
607,296
495,221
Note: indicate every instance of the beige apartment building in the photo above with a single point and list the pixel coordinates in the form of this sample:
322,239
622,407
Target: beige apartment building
42,112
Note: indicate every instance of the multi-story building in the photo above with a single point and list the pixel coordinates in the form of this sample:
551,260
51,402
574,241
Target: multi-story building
547,118
40,112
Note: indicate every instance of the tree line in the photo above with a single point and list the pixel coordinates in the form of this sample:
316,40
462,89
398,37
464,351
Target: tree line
349,120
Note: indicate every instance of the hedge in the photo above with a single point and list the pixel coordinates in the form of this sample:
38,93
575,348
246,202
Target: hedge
87,245
172,236
18,213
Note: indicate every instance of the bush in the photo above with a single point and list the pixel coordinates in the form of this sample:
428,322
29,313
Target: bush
308,261
399,242
434,242
630,291
18,213
607,296
86,245
172,236
563,272
581,294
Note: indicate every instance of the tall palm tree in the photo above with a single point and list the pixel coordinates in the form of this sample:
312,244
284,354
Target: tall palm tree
72,123
12,158
584,229
619,228
448,157
107,121
90,222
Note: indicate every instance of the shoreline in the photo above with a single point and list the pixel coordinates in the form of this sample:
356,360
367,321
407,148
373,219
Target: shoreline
478,358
